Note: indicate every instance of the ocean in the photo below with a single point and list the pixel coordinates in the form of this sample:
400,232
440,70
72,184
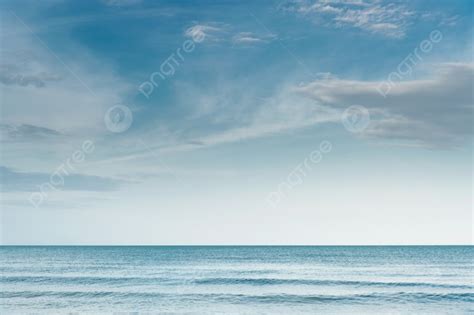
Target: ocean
237,280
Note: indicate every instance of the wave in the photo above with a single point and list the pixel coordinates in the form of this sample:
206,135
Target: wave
104,280
86,280
272,281
397,297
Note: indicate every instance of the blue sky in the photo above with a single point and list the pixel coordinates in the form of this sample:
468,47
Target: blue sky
259,88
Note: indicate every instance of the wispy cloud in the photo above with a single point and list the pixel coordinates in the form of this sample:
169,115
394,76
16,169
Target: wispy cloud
249,38
390,20
442,18
208,32
219,32
223,122
121,3
430,112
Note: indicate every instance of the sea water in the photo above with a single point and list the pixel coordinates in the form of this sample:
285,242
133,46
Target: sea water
237,280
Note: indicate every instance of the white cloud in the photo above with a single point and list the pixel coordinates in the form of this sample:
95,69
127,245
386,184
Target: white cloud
390,20
442,18
249,38
121,3
218,32
205,32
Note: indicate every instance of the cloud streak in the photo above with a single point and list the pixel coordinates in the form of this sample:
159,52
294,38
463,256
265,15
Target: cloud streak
249,38
12,180
222,33
26,132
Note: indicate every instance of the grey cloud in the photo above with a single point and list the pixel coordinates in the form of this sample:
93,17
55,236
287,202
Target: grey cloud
435,111
12,180
12,75
25,132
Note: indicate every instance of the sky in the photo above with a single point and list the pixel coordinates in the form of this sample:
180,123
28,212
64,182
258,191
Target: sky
309,122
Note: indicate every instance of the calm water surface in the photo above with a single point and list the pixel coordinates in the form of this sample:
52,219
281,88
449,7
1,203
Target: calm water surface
237,280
